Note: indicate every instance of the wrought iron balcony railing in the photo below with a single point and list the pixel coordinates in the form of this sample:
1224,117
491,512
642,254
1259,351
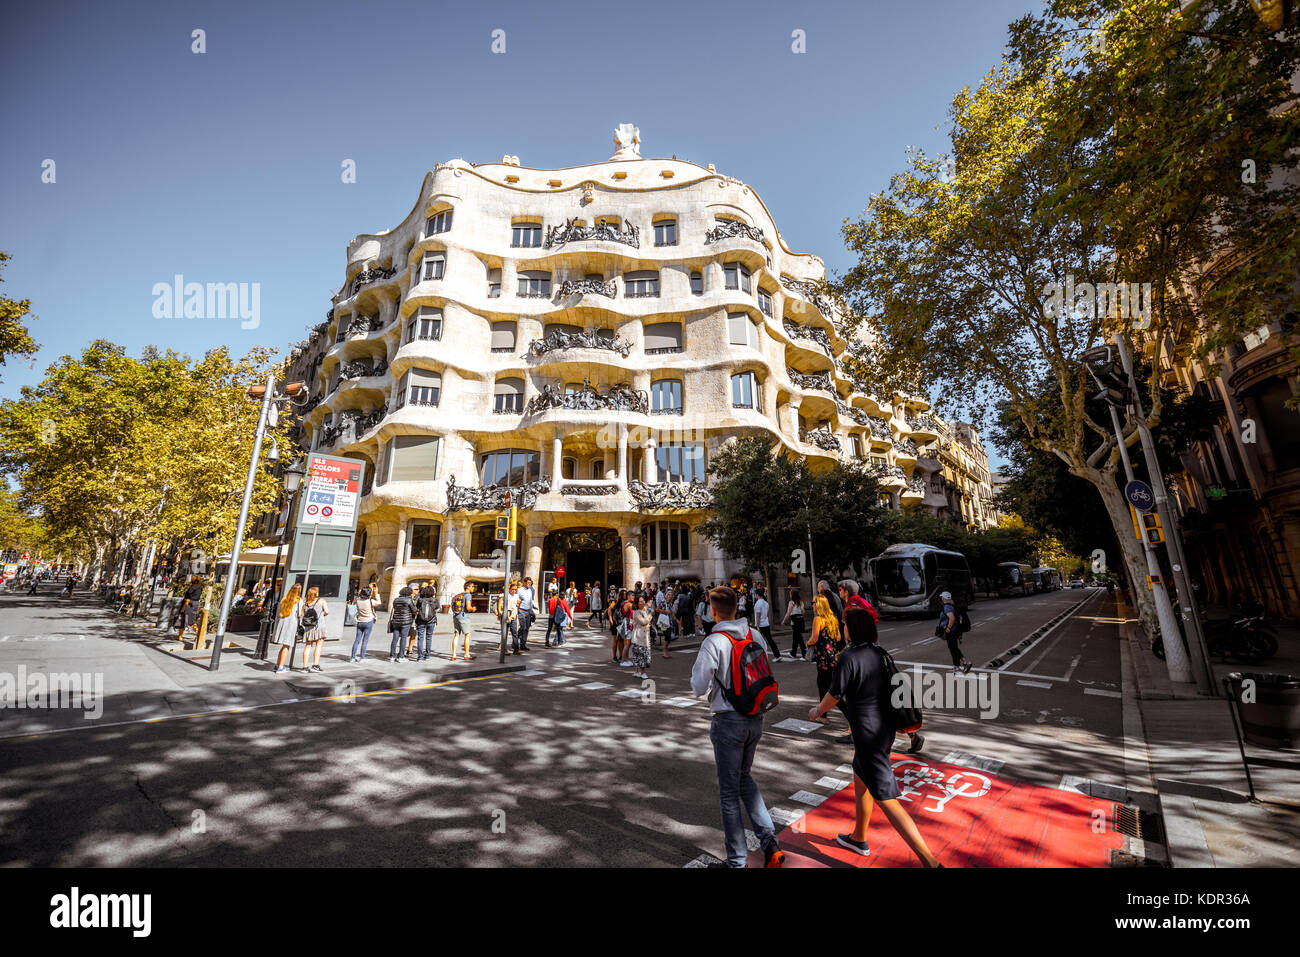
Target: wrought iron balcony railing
492,498
667,495
880,429
571,232
850,412
556,340
796,331
619,398
808,290
811,380
732,228
583,287
371,274
359,368
820,438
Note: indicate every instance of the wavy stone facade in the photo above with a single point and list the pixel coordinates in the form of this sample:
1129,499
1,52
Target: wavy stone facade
608,327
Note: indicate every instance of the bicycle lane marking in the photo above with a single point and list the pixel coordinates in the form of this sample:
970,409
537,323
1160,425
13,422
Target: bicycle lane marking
969,818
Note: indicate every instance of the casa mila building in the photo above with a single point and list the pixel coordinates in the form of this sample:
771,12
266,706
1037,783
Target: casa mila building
586,340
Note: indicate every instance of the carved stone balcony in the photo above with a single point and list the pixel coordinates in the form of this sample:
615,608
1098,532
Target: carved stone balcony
796,331
820,438
584,287
570,487
808,290
669,495
571,232
618,398
492,498
371,274
556,340
731,229
820,381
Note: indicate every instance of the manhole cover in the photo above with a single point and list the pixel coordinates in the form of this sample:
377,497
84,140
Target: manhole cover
1129,820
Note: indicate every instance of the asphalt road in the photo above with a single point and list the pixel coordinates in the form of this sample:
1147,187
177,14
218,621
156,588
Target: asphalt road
573,763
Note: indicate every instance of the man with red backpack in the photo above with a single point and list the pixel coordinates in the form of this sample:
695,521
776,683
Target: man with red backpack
732,667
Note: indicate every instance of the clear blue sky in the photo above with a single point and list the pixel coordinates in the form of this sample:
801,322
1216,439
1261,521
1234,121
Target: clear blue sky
225,166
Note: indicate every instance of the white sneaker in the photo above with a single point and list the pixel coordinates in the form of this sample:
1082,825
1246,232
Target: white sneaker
625,664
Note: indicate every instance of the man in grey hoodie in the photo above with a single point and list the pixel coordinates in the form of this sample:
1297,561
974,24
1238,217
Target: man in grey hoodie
734,736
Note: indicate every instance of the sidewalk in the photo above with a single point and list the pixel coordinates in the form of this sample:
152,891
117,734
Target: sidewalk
145,674
1195,764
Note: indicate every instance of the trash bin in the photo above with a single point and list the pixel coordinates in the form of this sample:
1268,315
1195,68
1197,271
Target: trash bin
1269,708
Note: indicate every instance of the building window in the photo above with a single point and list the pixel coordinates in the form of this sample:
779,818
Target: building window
342,330
666,542
422,542
765,302
509,467
680,463
737,277
697,283
509,395
409,458
435,265
526,234
666,232
535,285
641,285
438,223
597,468
741,330
568,468
855,445
662,338
483,542
494,283
878,461
746,392
503,337
419,387
425,324
666,396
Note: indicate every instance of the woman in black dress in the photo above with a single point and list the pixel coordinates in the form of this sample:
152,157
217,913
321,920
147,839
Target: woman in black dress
860,686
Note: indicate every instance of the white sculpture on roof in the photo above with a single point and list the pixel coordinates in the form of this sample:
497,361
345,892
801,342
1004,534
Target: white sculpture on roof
628,140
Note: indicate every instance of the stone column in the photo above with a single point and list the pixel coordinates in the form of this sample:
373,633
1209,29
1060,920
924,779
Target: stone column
533,559
649,462
630,539
557,461
622,455
399,560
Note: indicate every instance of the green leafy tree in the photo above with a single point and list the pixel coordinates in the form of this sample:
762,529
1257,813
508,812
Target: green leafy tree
1107,147
14,337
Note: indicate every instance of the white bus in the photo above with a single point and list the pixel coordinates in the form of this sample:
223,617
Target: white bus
906,579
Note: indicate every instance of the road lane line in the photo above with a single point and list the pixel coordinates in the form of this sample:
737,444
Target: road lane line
1034,684
1104,694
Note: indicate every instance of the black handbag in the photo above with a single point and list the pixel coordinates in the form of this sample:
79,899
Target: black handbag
907,716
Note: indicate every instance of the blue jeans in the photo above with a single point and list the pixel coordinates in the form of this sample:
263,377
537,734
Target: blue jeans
423,640
735,738
398,648
364,628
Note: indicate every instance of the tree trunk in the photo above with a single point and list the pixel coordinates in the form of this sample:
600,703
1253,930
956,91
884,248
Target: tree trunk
1133,552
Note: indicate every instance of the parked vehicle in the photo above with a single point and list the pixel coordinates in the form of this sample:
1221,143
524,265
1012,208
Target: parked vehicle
906,579
1014,578
1244,636
1078,583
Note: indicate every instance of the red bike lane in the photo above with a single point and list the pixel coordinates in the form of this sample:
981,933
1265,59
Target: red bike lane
968,818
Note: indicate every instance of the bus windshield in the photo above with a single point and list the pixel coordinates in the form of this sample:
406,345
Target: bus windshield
899,577
1008,576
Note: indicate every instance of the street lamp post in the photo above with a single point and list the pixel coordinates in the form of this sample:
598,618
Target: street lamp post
270,400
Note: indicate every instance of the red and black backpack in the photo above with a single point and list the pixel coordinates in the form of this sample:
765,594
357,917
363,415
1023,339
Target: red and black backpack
753,689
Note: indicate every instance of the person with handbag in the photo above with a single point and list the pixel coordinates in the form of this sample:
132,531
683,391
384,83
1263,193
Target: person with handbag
794,616
508,612
527,611
826,643
312,629
426,618
640,641
860,688
563,619
400,618
948,630
367,603
286,627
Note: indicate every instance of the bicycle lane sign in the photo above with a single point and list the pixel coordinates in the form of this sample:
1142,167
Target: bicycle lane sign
969,818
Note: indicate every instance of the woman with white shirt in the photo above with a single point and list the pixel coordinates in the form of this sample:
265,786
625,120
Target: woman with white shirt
286,627
641,639
367,602
794,613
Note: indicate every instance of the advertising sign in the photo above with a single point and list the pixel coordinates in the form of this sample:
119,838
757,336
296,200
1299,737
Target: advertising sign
330,491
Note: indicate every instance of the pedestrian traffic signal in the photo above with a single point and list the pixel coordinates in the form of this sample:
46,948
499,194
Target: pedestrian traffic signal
1151,529
514,524
503,528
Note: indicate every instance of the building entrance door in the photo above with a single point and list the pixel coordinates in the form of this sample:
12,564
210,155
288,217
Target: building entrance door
589,555
585,566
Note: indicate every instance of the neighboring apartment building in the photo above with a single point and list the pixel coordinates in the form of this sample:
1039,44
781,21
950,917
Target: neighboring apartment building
957,482
584,339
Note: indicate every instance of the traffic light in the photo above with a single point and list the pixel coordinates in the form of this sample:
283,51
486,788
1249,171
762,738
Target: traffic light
1151,529
503,528
514,524
1103,365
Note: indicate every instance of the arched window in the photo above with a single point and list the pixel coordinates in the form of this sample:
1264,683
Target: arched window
503,336
409,458
534,285
435,265
438,223
742,330
527,234
746,391
737,277
662,338
509,467
665,232
419,387
425,324
666,397
509,395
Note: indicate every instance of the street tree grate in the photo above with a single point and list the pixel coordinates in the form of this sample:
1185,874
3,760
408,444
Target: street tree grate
1129,820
